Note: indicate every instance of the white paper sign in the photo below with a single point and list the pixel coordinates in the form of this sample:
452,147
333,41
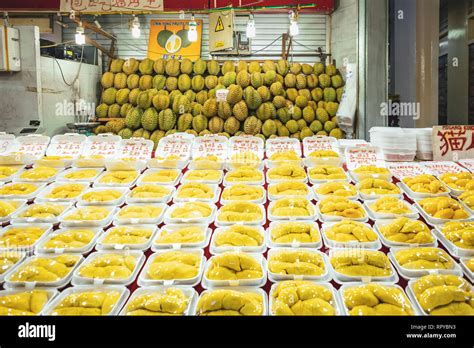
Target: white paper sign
315,143
211,145
139,149
468,163
406,169
363,156
441,167
246,143
283,145
221,95
106,6
174,146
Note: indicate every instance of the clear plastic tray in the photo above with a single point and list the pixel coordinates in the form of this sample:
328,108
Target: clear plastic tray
275,277
294,244
207,164
215,197
80,280
242,289
261,200
450,246
416,273
17,177
357,177
260,182
40,249
62,176
17,218
331,218
167,164
218,181
308,196
318,181
46,227
320,197
344,287
141,221
214,249
93,223
64,162
469,274
168,220
153,171
335,296
259,282
261,222
97,182
125,164
124,293
417,195
101,245
143,279
199,245
31,285
165,199
342,278
276,181
272,164
376,245
22,256
115,202
29,196
42,197
189,292
271,217
392,244
20,203
376,216
438,221
9,178
366,197
323,161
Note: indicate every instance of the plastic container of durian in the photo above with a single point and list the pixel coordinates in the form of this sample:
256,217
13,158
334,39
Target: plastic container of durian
450,246
43,195
6,271
261,200
62,175
276,277
261,222
46,227
413,214
273,197
89,223
272,217
147,172
258,282
77,279
469,274
227,183
163,163
344,287
418,195
366,197
335,302
357,177
18,179
391,244
438,221
376,245
168,220
156,220
40,247
416,273
165,199
28,196
124,293
19,203
129,184
207,163
214,249
237,288
276,181
102,245
189,292
31,285
218,181
295,243
340,278
206,232
18,218
333,218
9,178
320,197
214,199
51,293
115,202
318,182
144,280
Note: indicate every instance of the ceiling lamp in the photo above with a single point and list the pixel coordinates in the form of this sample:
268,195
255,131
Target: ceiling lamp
294,29
251,27
80,37
135,28
192,31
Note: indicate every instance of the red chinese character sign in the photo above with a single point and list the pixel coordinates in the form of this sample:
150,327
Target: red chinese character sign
453,142
110,6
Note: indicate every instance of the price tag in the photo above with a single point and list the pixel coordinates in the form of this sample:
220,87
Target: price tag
212,145
34,149
316,143
221,95
138,149
103,148
246,143
406,169
65,149
177,146
363,156
441,167
283,145
468,163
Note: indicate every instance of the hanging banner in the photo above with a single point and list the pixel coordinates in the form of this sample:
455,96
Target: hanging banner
169,39
452,143
110,6
221,30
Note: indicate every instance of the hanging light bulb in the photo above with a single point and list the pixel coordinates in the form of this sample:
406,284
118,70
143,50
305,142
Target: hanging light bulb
192,31
135,27
80,37
251,27
294,29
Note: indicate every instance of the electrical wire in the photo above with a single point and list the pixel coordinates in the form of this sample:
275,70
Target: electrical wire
78,70
58,44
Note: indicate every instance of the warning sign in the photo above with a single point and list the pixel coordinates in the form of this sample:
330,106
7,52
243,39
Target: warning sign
219,25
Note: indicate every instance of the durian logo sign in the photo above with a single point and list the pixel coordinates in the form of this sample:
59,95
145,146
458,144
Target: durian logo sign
169,39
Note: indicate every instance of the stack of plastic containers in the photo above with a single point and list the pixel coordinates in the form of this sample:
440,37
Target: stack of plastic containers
424,142
397,145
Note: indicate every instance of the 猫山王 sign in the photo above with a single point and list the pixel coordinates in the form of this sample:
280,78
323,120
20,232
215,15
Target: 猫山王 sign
452,143
169,39
110,6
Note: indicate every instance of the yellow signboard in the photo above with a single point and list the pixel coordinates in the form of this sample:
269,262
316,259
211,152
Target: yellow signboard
169,39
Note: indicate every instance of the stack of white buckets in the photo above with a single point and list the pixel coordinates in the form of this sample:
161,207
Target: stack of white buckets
403,144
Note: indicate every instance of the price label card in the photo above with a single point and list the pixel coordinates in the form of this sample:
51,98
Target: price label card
34,149
139,149
66,145
282,145
221,95
211,145
315,143
406,169
246,143
363,156
174,146
102,148
468,163
441,167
